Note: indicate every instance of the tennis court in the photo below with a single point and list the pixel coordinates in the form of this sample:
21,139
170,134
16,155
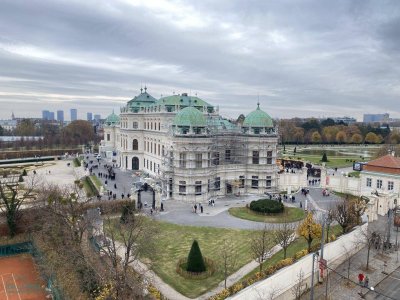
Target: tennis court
19,279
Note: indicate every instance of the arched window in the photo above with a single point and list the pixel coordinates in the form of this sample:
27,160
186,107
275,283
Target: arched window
135,144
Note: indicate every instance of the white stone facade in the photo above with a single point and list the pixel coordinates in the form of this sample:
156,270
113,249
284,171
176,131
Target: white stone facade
193,163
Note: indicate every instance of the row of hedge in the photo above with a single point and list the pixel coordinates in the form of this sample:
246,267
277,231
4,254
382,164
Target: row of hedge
32,153
76,162
266,273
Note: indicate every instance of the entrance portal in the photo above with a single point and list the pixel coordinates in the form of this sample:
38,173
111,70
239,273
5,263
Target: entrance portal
135,163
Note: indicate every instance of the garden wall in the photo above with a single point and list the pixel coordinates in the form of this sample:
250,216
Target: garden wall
282,282
292,181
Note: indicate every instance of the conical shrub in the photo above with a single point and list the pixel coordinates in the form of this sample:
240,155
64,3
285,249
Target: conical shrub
195,262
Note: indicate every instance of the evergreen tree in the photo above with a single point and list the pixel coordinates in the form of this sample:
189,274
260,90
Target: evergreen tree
195,261
21,179
324,158
24,173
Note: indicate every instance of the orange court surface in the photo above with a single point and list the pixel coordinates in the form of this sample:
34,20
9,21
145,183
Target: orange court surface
19,279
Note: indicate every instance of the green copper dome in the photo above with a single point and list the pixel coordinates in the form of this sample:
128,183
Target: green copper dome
190,116
258,118
112,119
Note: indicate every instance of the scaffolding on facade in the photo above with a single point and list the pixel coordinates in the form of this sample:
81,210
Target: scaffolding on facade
228,151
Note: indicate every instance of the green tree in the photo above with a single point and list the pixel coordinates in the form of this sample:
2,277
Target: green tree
324,158
195,261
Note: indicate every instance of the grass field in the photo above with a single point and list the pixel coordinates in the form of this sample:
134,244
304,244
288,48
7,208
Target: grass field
333,162
290,214
174,242
96,181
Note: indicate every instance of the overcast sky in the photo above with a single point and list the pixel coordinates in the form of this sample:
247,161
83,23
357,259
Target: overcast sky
300,58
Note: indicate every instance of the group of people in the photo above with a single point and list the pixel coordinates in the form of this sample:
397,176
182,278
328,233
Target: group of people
325,192
195,207
363,280
314,181
211,202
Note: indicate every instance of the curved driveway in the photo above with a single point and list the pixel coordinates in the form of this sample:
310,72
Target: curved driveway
181,213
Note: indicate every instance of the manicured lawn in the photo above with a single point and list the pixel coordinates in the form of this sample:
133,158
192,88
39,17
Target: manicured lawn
290,214
175,242
294,247
333,161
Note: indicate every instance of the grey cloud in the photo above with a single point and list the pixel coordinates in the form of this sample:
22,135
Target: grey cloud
322,55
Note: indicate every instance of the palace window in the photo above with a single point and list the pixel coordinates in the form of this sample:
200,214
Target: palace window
390,185
369,182
135,125
135,144
227,154
216,159
242,182
197,188
379,184
269,182
269,157
182,160
108,137
217,183
198,160
182,187
256,157
254,182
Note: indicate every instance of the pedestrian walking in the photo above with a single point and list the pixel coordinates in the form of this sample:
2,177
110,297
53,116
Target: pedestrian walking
195,208
201,208
366,281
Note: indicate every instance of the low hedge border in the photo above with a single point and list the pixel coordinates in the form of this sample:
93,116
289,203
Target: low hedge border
267,272
210,269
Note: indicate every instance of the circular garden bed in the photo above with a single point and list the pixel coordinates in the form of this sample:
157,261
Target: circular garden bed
181,267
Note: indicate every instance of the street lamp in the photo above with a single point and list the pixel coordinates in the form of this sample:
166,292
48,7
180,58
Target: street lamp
316,254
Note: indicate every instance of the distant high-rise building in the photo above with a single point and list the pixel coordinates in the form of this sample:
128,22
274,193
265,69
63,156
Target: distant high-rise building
74,114
51,116
89,116
45,115
60,116
370,118
97,117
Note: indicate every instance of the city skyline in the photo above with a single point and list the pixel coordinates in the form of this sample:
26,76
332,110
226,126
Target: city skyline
309,59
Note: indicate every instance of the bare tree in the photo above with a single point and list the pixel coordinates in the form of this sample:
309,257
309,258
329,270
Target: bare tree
284,235
297,289
261,244
14,194
123,244
68,204
344,215
229,257
359,205
369,238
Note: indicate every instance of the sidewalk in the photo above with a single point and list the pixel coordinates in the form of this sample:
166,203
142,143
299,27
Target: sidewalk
380,265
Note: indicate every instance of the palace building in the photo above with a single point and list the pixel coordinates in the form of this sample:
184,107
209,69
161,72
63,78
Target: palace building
189,150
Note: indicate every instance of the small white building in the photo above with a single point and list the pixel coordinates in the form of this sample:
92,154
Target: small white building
379,181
